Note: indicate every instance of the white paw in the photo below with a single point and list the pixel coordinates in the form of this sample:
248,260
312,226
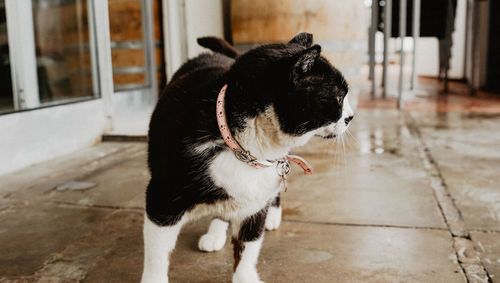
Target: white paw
212,242
250,276
273,219
247,281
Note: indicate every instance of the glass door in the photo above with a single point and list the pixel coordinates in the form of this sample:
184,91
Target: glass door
133,45
128,45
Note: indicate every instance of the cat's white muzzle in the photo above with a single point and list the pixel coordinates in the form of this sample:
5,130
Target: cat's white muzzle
338,128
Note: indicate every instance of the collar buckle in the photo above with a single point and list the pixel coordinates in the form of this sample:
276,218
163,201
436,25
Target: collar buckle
243,155
283,168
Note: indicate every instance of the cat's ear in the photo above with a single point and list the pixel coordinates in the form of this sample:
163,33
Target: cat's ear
305,39
305,62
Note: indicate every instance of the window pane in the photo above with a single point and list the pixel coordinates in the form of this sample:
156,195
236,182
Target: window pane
6,99
127,42
64,61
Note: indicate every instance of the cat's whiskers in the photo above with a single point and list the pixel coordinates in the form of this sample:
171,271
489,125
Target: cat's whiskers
337,153
349,133
343,151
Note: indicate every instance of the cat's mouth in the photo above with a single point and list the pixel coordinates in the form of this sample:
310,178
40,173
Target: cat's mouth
327,137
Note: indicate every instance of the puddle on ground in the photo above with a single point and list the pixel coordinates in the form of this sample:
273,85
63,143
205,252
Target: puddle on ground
378,142
75,186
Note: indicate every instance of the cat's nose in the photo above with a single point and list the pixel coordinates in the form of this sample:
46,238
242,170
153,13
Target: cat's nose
348,119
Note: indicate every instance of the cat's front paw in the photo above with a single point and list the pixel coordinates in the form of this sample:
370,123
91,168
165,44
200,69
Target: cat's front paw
246,277
273,219
212,242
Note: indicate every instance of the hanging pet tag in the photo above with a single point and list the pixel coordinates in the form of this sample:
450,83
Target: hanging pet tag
283,169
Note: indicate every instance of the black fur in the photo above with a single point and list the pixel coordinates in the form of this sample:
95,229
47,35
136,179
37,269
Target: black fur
251,229
277,201
303,38
184,115
218,45
302,86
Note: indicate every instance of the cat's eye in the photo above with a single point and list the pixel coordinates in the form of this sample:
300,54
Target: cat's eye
340,99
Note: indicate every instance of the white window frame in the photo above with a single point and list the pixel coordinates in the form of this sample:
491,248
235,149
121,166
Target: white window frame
104,64
21,38
22,54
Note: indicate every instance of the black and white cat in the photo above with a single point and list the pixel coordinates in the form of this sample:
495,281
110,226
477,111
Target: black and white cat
278,97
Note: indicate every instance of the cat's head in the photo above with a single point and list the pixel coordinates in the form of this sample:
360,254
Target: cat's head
296,94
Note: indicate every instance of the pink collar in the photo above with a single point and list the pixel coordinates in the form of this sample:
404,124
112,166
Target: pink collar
244,155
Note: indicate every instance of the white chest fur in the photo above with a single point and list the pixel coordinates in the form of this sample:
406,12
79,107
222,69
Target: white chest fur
250,188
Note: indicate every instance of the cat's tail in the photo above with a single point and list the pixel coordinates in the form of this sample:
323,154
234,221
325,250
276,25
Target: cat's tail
218,45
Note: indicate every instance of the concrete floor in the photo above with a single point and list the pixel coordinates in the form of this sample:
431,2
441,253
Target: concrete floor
414,198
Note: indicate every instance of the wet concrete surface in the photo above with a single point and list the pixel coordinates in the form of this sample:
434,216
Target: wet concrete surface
374,178
367,214
488,246
467,149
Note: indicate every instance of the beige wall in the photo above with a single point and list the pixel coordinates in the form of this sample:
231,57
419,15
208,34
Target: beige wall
339,26
279,20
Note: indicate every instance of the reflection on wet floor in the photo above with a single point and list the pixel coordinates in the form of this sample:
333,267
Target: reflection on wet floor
380,136
429,96
370,142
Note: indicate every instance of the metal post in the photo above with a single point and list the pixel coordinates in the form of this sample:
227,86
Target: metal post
416,35
372,31
402,34
387,36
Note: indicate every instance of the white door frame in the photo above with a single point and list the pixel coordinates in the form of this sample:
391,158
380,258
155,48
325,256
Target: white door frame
104,64
133,107
174,28
22,54
150,48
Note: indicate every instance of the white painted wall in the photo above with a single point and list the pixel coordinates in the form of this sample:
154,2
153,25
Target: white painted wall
202,18
33,136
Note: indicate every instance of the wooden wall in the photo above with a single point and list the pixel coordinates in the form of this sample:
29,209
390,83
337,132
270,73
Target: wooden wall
340,26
